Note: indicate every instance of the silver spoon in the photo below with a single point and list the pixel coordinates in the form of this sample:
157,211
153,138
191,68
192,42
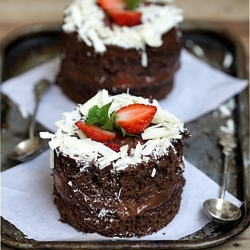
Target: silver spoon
29,148
220,210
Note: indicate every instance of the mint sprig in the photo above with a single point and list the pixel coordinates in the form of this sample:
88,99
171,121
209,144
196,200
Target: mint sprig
100,117
132,4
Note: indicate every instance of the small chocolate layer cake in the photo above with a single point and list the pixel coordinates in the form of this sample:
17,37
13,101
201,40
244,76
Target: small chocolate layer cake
123,178
84,72
131,202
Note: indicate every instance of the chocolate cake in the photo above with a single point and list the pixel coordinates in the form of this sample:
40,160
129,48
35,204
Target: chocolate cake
121,180
97,53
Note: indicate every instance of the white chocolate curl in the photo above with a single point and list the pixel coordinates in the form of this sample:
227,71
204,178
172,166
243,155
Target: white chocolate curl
71,141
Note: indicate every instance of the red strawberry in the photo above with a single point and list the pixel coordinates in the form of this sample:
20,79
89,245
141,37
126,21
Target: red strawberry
113,146
95,133
123,79
135,118
109,5
126,18
119,14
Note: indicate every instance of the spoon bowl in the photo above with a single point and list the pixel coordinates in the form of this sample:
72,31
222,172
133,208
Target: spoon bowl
221,211
29,148
26,149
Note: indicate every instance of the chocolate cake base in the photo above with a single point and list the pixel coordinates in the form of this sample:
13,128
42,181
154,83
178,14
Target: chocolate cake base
125,203
84,72
149,222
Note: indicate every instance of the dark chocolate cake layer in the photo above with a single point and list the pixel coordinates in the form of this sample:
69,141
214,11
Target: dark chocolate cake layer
119,203
83,71
113,182
109,224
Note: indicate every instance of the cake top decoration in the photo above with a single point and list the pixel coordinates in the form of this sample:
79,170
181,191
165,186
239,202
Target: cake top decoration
100,23
121,130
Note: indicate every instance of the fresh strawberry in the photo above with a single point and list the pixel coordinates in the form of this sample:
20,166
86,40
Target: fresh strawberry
126,18
135,118
119,13
123,79
112,5
95,133
113,146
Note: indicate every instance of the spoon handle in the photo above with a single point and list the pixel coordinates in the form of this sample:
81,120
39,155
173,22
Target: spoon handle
40,88
227,142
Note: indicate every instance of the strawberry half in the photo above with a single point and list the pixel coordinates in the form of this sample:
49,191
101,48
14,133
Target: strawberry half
135,118
114,146
123,79
95,133
109,5
119,13
126,18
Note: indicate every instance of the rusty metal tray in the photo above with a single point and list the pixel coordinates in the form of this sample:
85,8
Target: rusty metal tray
33,45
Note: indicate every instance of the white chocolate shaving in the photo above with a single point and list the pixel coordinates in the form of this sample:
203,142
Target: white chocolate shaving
153,172
87,19
71,141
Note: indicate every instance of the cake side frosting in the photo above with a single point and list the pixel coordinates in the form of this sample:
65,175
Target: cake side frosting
156,139
86,18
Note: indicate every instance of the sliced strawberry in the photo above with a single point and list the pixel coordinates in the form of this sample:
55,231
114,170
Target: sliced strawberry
135,118
126,18
123,79
119,14
95,133
114,146
112,5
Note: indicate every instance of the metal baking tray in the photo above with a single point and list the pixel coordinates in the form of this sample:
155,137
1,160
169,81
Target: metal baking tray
33,45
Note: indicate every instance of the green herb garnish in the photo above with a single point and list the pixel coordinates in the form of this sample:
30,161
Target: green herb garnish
100,117
132,4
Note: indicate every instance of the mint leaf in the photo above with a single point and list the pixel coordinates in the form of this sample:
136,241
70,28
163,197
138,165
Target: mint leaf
93,116
132,4
110,123
100,117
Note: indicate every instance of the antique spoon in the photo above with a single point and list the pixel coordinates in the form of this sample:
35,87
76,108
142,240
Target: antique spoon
220,210
29,148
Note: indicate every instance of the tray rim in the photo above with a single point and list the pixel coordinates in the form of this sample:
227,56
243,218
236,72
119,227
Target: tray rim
166,244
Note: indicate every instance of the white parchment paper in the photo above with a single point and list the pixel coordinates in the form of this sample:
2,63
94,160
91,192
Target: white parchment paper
27,202
27,199
198,90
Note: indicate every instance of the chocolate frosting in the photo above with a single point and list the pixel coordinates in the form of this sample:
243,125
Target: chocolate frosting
123,209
